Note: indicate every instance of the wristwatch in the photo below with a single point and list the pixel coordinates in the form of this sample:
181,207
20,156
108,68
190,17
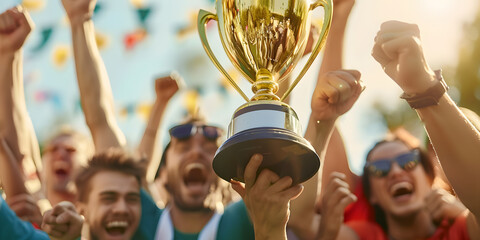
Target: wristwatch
430,97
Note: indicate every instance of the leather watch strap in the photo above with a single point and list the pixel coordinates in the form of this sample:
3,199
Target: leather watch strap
430,97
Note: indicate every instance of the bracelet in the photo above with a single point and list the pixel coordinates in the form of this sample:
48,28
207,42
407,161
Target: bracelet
430,97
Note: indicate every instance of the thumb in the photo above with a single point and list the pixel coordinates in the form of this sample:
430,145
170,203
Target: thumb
238,187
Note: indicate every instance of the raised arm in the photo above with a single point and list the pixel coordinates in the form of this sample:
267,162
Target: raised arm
94,85
303,206
456,142
15,125
336,158
165,88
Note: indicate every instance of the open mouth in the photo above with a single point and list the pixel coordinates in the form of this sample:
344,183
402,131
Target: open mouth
195,175
116,228
61,170
401,190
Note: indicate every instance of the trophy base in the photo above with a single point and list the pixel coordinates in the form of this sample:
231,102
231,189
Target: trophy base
284,152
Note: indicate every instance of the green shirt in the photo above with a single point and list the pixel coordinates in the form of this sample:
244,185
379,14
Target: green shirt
177,235
234,224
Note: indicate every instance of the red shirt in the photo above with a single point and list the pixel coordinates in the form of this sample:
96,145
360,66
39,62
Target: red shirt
447,230
360,210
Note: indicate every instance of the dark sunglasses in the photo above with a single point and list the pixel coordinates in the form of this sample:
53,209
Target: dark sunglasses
185,131
381,168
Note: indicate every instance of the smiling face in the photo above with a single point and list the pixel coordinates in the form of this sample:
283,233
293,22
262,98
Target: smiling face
61,158
190,177
112,209
401,192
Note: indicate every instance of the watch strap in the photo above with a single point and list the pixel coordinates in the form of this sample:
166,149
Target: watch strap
430,97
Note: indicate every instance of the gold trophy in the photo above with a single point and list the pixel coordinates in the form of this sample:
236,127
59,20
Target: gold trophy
265,39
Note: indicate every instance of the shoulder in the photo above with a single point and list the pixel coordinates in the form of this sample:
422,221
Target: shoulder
13,227
235,223
149,219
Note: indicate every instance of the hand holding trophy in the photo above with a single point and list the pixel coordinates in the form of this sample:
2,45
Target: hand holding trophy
265,40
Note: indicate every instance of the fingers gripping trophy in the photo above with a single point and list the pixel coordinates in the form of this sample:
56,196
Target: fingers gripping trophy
265,39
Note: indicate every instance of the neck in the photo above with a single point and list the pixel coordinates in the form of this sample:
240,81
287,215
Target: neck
54,197
416,226
189,221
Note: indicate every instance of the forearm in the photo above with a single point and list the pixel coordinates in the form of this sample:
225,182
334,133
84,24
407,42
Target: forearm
147,147
278,234
336,160
456,143
29,145
302,208
8,110
318,133
333,50
11,176
94,87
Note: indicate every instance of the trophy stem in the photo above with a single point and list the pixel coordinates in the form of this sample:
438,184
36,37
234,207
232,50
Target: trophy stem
264,86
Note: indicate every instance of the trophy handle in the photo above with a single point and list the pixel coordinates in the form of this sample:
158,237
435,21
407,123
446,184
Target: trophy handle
203,18
328,9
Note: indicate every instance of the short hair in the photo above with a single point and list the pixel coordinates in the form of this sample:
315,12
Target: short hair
112,160
84,142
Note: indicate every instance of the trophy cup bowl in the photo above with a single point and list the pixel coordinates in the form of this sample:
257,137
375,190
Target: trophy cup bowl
264,40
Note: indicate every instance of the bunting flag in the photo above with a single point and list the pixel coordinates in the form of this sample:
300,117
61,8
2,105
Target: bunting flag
97,9
46,34
143,14
191,101
190,27
102,40
61,53
141,110
78,106
127,110
225,85
33,5
31,77
144,110
132,39
49,96
138,3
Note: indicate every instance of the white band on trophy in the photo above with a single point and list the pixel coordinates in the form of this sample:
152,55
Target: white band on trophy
263,118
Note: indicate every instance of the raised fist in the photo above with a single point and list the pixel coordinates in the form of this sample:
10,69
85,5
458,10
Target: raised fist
79,10
15,26
335,94
399,51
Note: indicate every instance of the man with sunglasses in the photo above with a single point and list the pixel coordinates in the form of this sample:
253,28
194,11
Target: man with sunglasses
197,195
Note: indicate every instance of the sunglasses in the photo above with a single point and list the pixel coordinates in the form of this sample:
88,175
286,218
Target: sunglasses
406,161
185,131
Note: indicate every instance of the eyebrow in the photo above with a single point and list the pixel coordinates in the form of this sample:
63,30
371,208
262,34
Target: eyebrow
109,193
